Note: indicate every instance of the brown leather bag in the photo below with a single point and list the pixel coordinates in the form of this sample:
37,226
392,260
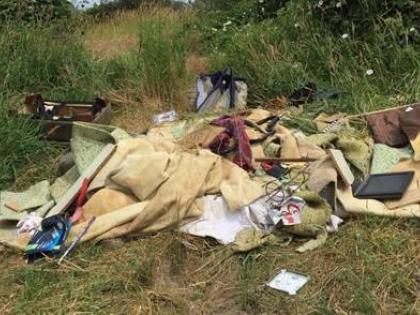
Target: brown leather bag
386,129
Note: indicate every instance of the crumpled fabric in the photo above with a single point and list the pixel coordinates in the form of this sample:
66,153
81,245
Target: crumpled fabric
412,195
321,173
386,129
29,224
409,122
171,188
218,221
35,196
322,139
357,149
63,183
251,238
330,123
234,131
384,158
356,206
88,141
315,215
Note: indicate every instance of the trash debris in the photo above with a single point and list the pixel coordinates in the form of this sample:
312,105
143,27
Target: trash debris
76,240
288,282
341,166
260,177
224,225
56,117
315,215
333,224
384,158
234,138
29,224
49,239
384,186
165,117
221,90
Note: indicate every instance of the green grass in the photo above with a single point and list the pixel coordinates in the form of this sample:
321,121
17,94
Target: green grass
366,268
281,54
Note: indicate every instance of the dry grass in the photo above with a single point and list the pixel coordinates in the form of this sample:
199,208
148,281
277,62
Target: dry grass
369,267
155,82
113,37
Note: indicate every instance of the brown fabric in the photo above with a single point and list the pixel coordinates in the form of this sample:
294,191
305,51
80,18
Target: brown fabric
409,121
386,129
321,173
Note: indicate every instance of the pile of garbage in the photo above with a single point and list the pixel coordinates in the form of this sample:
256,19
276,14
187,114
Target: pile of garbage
230,173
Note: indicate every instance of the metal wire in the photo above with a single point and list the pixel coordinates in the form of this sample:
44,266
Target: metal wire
281,192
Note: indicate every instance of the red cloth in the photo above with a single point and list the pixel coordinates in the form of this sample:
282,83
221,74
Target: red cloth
234,138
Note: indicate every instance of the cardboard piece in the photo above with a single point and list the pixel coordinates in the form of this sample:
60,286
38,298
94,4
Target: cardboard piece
341,166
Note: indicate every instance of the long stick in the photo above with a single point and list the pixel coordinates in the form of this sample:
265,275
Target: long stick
284,160
382,111
77,239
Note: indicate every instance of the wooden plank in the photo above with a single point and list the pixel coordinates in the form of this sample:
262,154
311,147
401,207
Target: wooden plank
71,195
341,165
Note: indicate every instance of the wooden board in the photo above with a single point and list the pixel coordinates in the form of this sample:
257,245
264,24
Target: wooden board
341,165
68,198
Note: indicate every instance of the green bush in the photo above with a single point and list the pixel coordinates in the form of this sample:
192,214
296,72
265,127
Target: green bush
362,17
280,54
107,9
38,11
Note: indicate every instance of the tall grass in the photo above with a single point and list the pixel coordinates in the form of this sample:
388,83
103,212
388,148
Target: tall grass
281,54
45,61
155,70
275,54
48,61
161,56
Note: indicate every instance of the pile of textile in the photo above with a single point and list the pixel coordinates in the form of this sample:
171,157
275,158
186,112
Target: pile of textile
235,178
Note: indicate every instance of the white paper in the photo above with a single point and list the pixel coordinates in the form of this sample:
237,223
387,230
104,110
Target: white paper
288,282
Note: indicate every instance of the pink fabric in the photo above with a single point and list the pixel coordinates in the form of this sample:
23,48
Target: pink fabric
234,138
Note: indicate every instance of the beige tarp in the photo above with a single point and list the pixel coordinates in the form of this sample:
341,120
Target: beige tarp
161,187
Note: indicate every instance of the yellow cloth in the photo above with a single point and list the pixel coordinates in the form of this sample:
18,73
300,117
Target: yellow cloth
412,195
171,183
415,144
374,207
